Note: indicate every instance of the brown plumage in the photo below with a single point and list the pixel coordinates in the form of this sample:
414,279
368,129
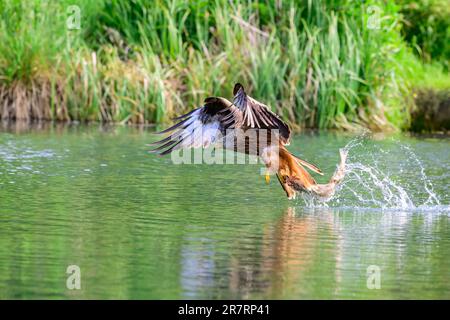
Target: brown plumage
231,124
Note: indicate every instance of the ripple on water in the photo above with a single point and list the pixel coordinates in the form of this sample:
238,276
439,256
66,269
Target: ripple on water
144,228
18,158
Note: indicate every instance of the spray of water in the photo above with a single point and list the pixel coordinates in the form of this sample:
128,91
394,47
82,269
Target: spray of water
379,178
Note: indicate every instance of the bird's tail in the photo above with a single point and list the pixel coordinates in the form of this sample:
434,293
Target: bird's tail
291,168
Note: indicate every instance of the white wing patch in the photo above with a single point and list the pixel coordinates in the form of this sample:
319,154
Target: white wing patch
198,134
200,128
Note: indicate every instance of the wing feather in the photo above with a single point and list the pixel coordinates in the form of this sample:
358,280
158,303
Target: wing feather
200,127
258,115
174,126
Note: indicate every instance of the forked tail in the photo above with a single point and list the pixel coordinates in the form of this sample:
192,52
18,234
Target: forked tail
293,177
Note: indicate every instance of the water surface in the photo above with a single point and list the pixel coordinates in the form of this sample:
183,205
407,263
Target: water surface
141,227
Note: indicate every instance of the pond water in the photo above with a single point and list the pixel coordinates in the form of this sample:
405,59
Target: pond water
139,226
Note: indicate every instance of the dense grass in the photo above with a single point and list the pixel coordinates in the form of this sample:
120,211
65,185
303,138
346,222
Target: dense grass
315,62
427,28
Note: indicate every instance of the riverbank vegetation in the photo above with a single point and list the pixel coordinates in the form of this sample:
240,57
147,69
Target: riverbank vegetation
320,64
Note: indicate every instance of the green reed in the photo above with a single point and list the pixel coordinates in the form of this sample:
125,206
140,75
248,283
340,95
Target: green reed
315,62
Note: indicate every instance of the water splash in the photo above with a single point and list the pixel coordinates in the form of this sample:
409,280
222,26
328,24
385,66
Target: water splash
372,187
385,177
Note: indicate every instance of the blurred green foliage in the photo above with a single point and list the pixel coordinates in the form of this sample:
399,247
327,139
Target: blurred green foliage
426,26
318,63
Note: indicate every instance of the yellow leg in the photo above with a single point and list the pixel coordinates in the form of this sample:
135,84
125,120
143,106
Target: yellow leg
267,177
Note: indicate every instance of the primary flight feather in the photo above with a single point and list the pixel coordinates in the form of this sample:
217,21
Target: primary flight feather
229,123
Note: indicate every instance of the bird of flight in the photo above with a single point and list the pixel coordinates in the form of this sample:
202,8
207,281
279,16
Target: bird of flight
248,126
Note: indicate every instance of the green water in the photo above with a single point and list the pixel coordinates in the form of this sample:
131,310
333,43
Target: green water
141,227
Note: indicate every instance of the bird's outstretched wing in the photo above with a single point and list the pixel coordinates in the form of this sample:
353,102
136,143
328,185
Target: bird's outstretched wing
200,127
258,115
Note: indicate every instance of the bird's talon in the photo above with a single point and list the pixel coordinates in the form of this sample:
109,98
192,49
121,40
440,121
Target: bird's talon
267,177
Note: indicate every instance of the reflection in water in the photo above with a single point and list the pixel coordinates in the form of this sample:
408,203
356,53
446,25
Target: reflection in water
197,267
23,127
285,257
141,227
322,252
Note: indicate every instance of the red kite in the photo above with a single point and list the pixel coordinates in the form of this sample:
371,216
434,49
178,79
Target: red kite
229,123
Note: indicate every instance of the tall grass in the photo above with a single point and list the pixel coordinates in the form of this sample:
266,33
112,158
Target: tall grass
427,29
315,62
